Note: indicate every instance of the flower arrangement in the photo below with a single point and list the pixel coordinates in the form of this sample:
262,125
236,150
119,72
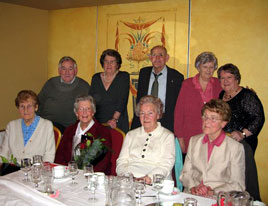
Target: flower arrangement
11,160
90,151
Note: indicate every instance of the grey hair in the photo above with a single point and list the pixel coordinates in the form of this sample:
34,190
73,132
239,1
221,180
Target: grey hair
153,100
158,47
206,57
67,58
84,97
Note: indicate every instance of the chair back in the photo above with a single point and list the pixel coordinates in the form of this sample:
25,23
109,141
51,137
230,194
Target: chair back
117,137
57,134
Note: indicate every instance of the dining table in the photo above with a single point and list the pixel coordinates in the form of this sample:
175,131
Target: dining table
15,191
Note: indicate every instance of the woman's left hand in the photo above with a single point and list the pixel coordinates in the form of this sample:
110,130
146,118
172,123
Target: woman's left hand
146,179
112,123
237,135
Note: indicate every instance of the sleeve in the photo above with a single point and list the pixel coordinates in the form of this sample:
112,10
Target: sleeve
253,107
124,93
106,161
167,158
50,143
123,159
4,147
179,113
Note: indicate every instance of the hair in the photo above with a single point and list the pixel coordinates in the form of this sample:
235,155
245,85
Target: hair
206,57
24,95
219,106
156,47
230,68
67,58
84,97
112,53
153,100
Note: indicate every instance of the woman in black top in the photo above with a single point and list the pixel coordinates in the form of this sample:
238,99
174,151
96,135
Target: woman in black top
110,89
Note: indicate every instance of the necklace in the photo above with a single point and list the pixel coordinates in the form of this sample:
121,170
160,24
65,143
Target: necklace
230,96
104,77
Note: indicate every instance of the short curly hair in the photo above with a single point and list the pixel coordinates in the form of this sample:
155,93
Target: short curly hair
113,53
24,95
206,57
232,69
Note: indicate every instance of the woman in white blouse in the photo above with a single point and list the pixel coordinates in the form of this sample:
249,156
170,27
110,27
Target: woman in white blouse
149,149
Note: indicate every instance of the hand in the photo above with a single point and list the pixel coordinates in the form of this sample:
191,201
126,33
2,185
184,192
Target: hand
202,190
237,135
146,179
182,145
112,123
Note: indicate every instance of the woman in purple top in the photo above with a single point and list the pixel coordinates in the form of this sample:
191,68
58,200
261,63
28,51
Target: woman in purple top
194,93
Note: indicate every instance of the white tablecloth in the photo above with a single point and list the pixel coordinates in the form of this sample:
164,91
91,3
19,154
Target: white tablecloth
13,191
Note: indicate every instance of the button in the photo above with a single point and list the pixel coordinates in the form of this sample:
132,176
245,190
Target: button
144,150
142,156
150,135
147,139
145,145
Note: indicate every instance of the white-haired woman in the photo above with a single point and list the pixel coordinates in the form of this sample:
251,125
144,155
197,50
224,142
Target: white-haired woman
84,108
149,149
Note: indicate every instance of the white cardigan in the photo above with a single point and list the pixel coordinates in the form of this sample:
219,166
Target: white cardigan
147,153
42,141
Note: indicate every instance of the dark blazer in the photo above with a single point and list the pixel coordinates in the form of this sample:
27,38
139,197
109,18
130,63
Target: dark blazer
174,81
64,152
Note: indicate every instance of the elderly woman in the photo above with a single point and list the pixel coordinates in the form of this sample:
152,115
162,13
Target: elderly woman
30,135
214,162
110,90
247,111
84,109
149,149
194,93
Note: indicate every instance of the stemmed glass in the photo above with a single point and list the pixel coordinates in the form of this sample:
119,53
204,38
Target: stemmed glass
93,186
73,169
38,160
26,167
158,180
88,172
139,189
36,175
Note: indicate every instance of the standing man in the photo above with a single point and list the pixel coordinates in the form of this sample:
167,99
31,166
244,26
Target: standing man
161,81
58,94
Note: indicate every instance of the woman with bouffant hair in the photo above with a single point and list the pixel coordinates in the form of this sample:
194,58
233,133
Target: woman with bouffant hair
30,135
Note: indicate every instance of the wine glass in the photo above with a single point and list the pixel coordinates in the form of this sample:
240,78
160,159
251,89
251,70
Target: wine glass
158,180
93,186
36,175
26,167
38,160
189,201
139,189
73,170
88,172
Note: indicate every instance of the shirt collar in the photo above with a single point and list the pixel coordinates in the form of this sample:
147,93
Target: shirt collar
216,141
163,71
61,80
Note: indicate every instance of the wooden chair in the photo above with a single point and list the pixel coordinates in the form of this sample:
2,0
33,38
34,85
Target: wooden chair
57,134
117,137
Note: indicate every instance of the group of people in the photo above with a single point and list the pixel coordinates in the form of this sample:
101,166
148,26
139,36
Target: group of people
215,120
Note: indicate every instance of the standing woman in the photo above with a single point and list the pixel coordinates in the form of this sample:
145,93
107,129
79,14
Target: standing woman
110,89
194,93
247,111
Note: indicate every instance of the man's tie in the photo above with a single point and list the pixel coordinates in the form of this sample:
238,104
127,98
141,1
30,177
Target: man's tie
154,90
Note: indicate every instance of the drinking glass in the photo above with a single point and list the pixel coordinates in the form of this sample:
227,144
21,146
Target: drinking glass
36,175
139,189
47,177
73,170
189,201
38,160
158,180
26,167
93,180
88,172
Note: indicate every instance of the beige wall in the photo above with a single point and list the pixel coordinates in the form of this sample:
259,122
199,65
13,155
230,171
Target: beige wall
23,54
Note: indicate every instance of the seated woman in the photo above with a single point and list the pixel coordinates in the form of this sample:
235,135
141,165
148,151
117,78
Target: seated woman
214,162
84,108
149,149
30,135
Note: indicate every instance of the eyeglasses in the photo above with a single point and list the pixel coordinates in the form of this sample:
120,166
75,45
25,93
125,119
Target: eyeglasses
113,62
26,107
212,119
67,69
158,55
150,114
86,109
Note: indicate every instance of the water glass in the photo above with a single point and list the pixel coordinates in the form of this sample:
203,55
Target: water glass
73,170
47,176
158,183
36,175
139,187
88,172
93,180
26,167
189,201
38,160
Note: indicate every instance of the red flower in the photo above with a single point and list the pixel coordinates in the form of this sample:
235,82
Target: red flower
82,146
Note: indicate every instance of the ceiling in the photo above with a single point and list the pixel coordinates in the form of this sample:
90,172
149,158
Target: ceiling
65,4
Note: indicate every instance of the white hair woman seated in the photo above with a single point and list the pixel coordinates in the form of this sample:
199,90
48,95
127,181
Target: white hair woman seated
149,149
